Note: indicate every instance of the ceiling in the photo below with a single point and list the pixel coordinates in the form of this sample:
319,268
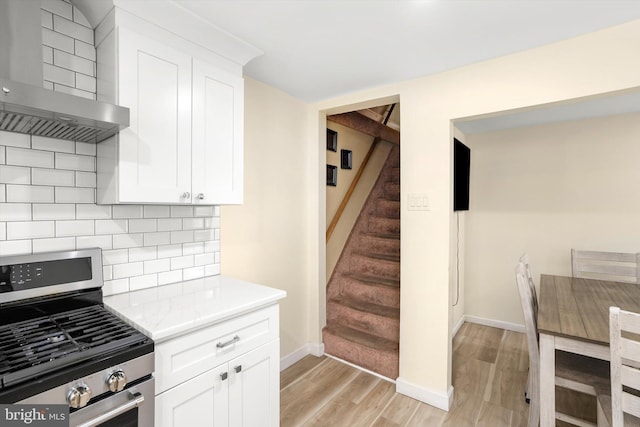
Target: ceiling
318,49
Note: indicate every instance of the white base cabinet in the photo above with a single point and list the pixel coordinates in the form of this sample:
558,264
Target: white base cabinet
224,375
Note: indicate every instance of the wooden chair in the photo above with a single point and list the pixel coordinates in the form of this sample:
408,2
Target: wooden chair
622,406
616,266
575,372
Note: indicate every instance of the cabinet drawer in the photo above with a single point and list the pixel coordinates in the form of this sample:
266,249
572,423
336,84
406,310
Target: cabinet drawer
189,355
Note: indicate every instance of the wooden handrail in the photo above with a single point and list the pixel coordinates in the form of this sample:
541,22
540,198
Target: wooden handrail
352,187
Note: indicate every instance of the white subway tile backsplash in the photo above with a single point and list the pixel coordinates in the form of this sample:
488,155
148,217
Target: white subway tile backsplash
3,191
53,211
103,242
181,211
52,177
72,29
95,212
212,222
52,144
204,235
113,287
80,18
192,273
142,225
75,162
85,50
182,236
169,277
15,212
157,265
73,91
46,19
73,63
203,211
14,174
182,262
59,75
31,158
142,254
48,85
168,251
83,227
119,256
84,82
29,194
30,229
127,211
170,224
129,269
107,272
142,282
58,7
151,211
54,244
111,226
121,241
3,230
212,246
75,195
2,157
16,247
11,139
212,270
193,248
85,148
155,239
192,223
203,259
47,55
86,179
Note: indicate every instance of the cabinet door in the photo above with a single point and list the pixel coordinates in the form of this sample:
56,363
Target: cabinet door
254,387
218,109
201,401
154,152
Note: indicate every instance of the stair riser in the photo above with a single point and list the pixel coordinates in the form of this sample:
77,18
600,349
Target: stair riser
394,175
375,267
392,191
384,363
370,323
388,208
383,225
383,295
380,245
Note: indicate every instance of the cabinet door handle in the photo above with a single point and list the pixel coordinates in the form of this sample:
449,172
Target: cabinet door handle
186,195
238,369
233,340
223,376
200,196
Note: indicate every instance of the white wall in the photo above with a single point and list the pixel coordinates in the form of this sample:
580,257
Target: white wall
544,190
591,64
265,239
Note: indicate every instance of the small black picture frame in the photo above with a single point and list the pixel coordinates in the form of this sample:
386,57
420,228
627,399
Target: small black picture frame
345,159
332,175
332,140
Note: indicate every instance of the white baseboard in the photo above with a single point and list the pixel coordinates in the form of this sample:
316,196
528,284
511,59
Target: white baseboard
494,323
457,327
353,365
438,399
296,355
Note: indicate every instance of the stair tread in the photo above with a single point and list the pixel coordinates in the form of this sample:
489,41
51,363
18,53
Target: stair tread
368,307
390,236
375,280
380,256
363,338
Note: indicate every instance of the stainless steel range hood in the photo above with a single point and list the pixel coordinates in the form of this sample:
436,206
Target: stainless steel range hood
25,105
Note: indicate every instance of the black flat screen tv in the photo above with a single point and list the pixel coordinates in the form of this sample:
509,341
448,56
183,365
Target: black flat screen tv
461,168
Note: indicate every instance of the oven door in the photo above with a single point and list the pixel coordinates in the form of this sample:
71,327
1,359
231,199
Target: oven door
132,407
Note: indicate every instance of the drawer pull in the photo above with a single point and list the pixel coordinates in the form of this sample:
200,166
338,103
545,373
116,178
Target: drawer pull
231,341
223,376
238,369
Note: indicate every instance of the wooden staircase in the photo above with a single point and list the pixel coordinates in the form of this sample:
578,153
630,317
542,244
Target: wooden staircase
363,294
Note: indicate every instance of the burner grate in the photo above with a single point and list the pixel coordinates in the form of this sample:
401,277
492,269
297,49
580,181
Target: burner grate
36,346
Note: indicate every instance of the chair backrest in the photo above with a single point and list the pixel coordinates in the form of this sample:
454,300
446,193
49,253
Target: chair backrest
625,359
616,266
524,259
530,317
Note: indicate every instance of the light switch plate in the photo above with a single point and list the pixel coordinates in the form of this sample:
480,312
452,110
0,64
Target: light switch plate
419,202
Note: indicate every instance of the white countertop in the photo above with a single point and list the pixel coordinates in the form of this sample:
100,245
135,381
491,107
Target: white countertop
166,311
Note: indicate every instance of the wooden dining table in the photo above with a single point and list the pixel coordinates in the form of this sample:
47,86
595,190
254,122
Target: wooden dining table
573,316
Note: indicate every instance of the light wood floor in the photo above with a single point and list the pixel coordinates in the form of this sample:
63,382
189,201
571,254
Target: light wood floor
489,376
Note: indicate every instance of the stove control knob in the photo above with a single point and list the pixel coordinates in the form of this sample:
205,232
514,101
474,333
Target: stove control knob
79,396
117,380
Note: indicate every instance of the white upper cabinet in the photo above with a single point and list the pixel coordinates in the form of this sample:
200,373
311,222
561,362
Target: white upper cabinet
185,140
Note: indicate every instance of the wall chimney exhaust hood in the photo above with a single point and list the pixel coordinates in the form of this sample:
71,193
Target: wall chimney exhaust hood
25,105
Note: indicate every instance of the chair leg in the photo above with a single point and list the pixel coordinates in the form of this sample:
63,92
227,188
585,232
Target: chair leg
527,393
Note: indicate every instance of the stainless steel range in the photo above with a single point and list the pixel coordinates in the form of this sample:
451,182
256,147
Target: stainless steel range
59,345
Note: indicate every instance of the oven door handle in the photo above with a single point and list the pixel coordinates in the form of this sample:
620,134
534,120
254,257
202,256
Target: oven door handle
137,400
